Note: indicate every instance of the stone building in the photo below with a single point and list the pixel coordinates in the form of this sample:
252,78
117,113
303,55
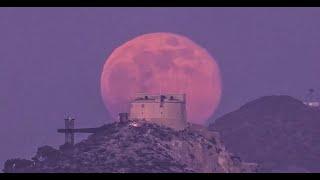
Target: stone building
163,109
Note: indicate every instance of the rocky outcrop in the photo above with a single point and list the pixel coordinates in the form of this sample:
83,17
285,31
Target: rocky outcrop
134,147
279,133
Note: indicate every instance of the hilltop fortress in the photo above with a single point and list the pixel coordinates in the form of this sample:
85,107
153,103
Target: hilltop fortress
163,109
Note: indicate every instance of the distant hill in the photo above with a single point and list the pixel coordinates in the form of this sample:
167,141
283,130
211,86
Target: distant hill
137,147
279,133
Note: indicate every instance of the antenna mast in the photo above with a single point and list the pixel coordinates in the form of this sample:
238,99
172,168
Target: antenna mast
310,99
310,95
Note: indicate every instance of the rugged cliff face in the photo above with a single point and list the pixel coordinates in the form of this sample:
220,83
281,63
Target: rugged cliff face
137,147
278,132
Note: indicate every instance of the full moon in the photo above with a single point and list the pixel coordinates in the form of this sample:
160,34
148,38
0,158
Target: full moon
162,63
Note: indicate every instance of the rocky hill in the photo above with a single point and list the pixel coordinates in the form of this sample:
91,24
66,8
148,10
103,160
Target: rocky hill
137,147
278,132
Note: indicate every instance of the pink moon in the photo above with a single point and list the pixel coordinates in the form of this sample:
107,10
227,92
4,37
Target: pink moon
162,63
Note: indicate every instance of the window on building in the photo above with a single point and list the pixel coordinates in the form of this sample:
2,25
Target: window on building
142,105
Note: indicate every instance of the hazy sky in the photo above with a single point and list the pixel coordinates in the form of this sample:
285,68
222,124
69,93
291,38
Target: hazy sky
51,60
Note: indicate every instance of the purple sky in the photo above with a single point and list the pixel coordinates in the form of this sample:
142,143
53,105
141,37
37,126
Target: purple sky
51,60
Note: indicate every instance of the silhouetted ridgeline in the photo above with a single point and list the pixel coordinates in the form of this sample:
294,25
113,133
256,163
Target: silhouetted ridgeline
279,133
